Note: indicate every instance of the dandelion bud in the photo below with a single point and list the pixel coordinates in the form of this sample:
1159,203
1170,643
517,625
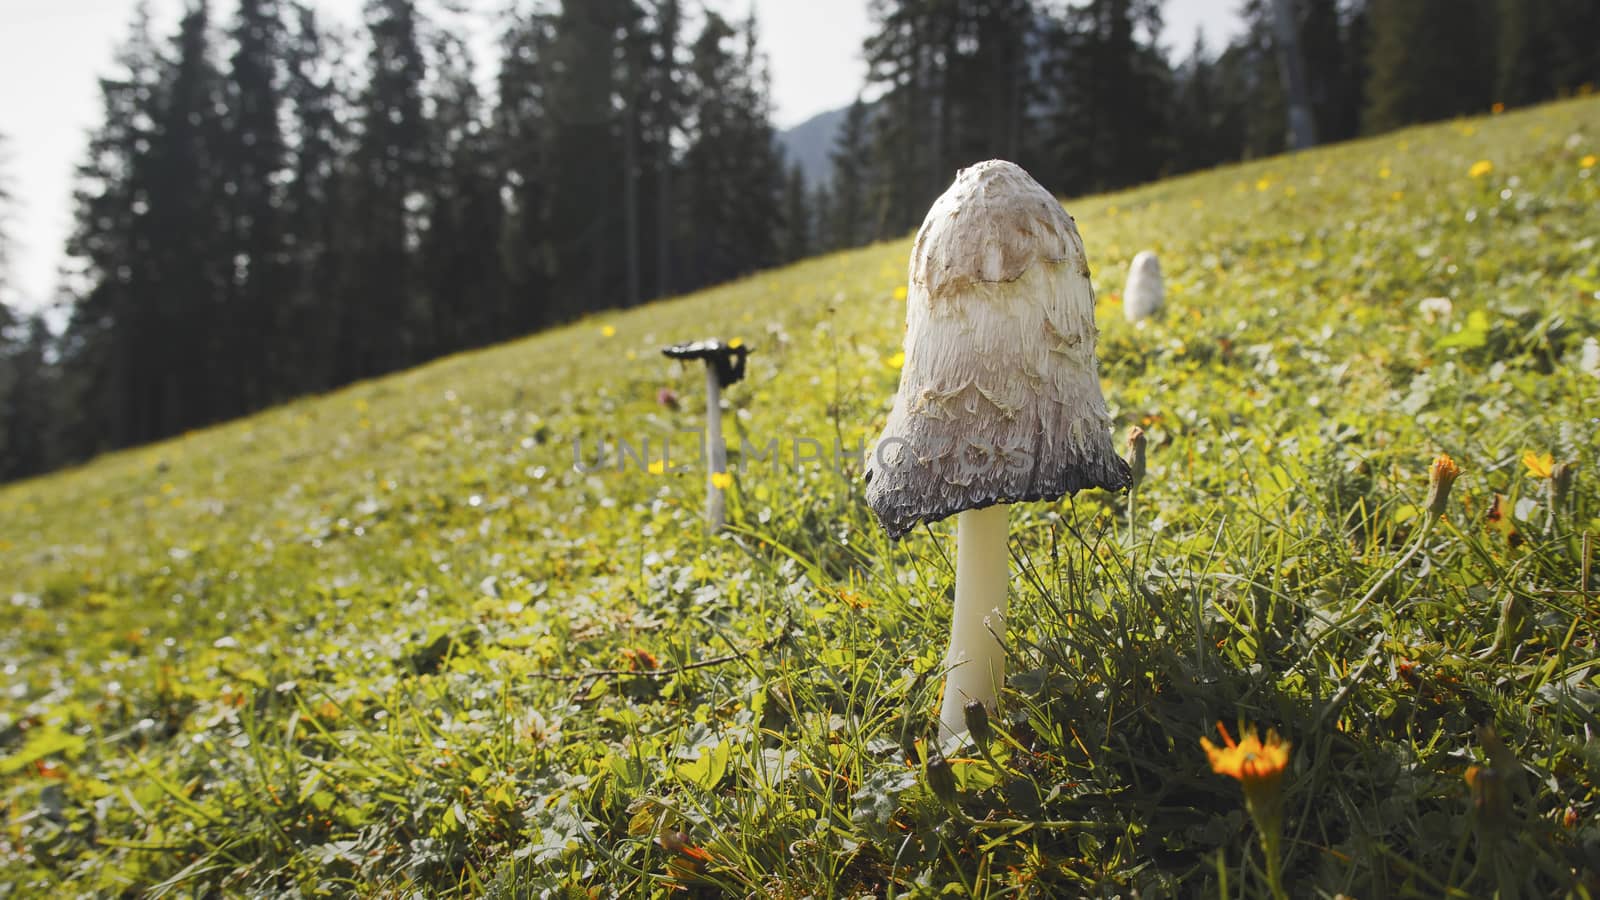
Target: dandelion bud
977,720
1490,801
1441,475
1136,445
941,778
1561,476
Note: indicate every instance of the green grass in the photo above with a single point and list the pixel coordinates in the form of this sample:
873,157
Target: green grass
339,647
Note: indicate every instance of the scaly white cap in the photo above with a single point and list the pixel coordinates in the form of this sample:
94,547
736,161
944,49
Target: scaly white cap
999,398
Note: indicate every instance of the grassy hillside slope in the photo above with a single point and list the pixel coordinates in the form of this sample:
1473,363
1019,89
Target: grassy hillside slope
338,647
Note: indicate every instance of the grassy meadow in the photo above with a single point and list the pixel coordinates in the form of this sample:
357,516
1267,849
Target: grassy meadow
390,641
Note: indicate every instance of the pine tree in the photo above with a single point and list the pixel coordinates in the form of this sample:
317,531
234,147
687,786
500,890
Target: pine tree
797,222
521,134
1206,129
1575,54
901,54
661,111
311,312
383,311
846,223
109,258
253,162
183,241
1545,49
1253,91
460,256
27,392
585,225
652,110
732,169
1431,59
1108,120
189,240
986,87
821,215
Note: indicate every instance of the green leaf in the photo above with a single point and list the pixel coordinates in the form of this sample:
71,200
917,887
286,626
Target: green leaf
707,770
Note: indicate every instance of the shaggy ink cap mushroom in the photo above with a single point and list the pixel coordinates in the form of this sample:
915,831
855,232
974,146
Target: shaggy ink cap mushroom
999,398
725,358
1144,294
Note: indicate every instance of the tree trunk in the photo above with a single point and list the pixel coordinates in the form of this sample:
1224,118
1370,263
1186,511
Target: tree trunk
1292,69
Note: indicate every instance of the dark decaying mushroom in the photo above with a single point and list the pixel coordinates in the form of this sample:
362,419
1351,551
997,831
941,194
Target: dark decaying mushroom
726,359
724,366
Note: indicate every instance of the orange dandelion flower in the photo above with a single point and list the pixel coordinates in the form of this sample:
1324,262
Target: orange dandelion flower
1258,765
1250,760
1498,108
640,659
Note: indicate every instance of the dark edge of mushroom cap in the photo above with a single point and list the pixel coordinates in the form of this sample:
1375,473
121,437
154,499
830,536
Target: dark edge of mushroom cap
1111,473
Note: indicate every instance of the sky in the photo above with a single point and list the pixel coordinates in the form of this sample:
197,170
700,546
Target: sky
52,51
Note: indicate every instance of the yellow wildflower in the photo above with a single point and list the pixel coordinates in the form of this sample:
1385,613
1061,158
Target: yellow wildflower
1480,168
1539,465
659,467
608,331
1588,161
897,360
721,480
901,292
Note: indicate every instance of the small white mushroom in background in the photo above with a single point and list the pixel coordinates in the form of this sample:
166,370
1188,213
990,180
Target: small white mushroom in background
724,366
999,398
1435,308
1144,293
1589,357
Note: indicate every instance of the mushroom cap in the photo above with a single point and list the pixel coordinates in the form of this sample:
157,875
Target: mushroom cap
726,358
999,398
1144,293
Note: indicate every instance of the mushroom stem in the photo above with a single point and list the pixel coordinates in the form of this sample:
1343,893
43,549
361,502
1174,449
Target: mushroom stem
976,657
716,451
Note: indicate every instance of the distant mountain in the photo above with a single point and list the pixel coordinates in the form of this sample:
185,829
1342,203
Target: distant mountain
810,142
